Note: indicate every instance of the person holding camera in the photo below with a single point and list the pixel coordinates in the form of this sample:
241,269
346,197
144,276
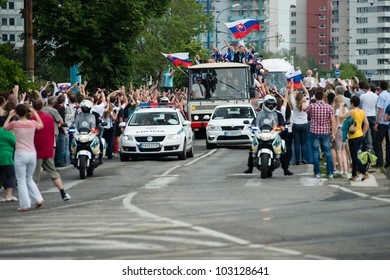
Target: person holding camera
110,116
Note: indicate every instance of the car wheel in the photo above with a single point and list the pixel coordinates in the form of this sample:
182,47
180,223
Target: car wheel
190,154
123,157
183,154
210,145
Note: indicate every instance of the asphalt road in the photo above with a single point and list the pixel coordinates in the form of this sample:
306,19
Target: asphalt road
201,208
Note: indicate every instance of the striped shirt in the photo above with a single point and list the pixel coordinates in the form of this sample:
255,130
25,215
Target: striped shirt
320,115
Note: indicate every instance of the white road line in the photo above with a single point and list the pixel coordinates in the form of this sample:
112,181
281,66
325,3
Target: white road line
205,231
201,157
66,186
363,195
160,183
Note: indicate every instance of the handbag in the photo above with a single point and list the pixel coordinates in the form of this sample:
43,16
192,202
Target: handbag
352,127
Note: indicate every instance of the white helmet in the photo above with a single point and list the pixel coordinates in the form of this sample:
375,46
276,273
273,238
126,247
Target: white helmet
86,106
269,103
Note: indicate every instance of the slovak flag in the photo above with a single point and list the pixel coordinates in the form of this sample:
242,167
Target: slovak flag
241,28
295,76
179,59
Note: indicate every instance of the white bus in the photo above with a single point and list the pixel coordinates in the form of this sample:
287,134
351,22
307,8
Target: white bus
224,83
277,69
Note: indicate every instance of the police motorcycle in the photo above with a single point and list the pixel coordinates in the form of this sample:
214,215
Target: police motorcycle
267,145
87,148
267,148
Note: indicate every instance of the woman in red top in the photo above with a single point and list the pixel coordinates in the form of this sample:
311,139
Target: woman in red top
25,155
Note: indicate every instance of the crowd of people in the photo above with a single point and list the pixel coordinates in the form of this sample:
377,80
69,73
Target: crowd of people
341,119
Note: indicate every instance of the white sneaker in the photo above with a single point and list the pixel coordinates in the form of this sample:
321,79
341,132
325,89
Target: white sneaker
317,176
66,197
330,176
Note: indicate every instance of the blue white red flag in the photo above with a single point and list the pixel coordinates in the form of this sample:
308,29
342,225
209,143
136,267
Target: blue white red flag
178,59
241,28
295,76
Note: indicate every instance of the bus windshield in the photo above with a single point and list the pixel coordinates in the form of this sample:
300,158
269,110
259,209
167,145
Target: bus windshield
219,83
277,79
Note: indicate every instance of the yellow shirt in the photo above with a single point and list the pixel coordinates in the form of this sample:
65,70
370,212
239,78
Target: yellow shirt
358,115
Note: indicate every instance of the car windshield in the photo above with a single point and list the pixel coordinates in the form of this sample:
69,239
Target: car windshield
232,113
155,119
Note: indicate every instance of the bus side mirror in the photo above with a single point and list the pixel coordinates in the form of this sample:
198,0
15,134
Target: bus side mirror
252,92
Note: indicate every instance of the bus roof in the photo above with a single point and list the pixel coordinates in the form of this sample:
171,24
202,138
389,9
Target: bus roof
219,65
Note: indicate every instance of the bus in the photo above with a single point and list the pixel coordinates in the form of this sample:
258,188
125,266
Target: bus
224,83
277,70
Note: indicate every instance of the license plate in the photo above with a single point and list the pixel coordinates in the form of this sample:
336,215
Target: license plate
232,133
149,145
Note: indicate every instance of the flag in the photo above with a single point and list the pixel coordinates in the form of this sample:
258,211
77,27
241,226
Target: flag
295,76
241,28
178,59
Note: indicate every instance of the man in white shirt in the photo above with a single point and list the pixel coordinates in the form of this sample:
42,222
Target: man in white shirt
198,89
368,102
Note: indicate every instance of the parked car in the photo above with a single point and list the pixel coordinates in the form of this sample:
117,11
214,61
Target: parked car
226,125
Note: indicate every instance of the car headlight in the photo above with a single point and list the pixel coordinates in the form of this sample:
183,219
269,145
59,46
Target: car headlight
212,127
173,137
128,138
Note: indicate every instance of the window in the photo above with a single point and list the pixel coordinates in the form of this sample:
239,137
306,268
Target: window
362,10
4,21
336,20
4,37
362,20
322,35
322,17
11,5
12,37
361,41
335,30
322,53
293,31
361,61
322,44
322,8
322,26
293,23
11,21
293,14
322,62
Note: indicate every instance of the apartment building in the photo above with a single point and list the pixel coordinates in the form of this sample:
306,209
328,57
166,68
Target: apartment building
12,24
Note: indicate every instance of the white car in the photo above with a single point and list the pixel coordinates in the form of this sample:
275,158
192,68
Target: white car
226,125
156,131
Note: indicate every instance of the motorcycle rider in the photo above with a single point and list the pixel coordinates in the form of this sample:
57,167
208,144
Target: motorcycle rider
268,115
87,119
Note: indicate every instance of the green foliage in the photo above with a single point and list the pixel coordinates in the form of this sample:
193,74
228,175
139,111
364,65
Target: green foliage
99,36
348,71
11,71
173,32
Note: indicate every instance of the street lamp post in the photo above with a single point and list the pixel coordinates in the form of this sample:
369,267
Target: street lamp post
216,22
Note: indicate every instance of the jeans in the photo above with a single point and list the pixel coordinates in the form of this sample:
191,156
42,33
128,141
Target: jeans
354,145
59,157
324,141
108,135
380,134
67,149
367,145
24,169
299,132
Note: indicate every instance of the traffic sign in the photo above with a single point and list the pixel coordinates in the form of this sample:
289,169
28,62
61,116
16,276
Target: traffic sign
337,73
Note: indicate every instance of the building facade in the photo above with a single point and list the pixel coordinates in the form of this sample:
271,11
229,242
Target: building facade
12,23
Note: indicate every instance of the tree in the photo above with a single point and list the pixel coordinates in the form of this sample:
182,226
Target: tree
97,35
174,32
11,71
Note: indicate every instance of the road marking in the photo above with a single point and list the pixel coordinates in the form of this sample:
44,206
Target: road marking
160,183
360,194
66,186
127,203
369,182
201,157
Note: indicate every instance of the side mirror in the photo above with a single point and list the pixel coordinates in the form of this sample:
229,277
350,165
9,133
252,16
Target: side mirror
206,117
246,122
186,123
122,124
71,129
